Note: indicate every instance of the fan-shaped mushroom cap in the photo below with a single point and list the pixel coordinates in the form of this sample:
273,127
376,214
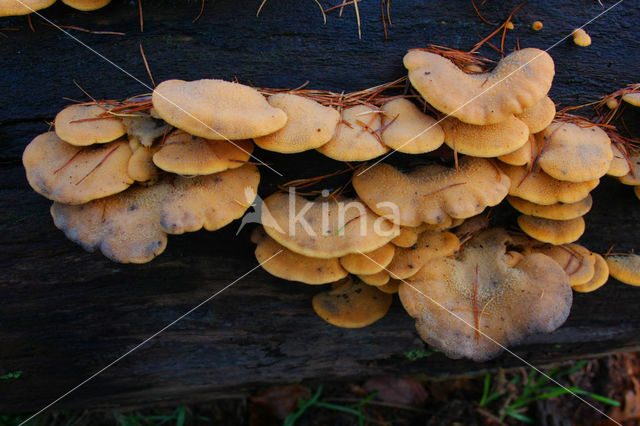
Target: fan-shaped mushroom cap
519,81
14,8
184,154
619,165
633,178
283,263
216,109
558,211
408,129
408,237
368,263
632,98
540,188
391,287
144,129
432,193
140,167
625,269
581,38
131,227
552,231
356,138
573,153
309,125
490,140
538,116
521,156
325,228
85,125
430,245
600,276
74,175
86,5
506,303
352,304
377,280
577,261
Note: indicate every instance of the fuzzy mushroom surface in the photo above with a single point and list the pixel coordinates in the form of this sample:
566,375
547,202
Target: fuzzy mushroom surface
409,130
74,175
87,125
357,137
573,153
432,194
325,228
132,226
216,109
184,154
490,140
519,81
309,125
474,305
540,188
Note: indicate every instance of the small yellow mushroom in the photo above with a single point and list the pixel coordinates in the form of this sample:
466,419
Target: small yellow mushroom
184,154
430,245
368,263
377,280
288,265
625,268
558,211
309,125
540,188
573,153
581,38
491,140
536,26
600,276
357,137
87,125
552,231
86,5
352,304
409,130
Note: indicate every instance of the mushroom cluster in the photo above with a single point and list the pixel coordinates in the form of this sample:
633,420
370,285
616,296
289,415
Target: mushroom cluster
124,175
25,7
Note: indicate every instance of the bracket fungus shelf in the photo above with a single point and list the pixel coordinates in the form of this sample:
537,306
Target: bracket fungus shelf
66,313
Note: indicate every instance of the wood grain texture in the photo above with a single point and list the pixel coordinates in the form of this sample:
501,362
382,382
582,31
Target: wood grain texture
65,314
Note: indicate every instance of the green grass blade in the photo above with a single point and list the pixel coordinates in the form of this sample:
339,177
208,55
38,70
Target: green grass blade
485,392
303,406
600,398
520,417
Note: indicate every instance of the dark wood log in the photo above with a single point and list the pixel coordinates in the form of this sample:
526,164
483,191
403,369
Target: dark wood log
65,313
